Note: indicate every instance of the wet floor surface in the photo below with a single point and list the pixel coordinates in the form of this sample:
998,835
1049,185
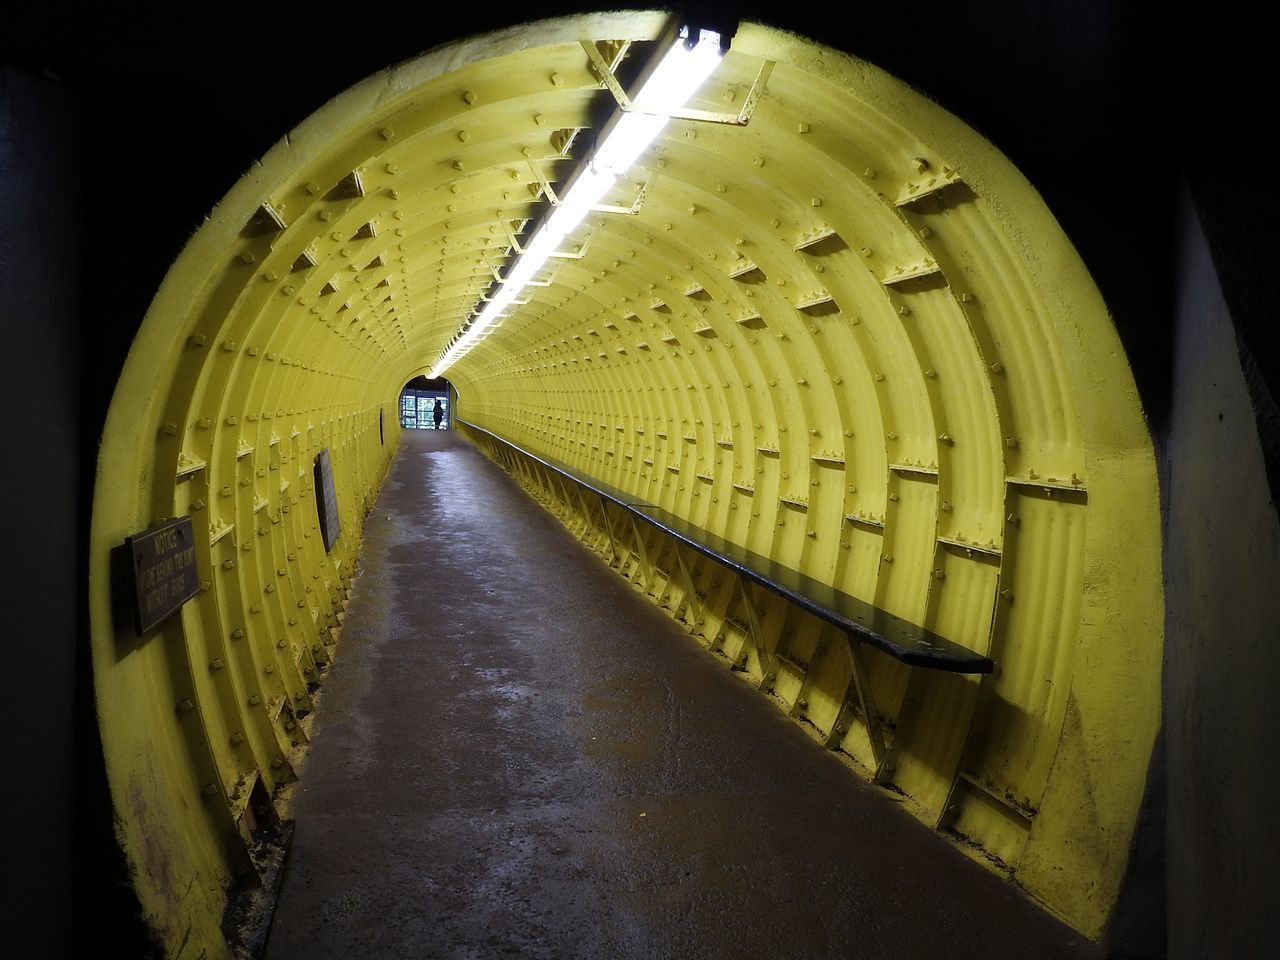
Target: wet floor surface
516,755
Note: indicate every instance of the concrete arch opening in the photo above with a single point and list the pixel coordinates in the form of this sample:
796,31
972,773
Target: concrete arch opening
846,335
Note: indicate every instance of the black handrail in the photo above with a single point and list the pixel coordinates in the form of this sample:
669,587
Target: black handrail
901,639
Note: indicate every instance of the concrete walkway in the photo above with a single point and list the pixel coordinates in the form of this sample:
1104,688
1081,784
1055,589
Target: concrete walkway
518,756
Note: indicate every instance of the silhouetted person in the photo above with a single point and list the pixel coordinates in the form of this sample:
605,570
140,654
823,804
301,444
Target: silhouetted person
438,414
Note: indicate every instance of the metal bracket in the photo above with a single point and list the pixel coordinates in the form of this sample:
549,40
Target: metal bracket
691,598
646,568
753,625
555,200
551,279
609,81
860,684
579,254
608,528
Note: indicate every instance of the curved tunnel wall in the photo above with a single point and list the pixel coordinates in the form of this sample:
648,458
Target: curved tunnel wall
847,335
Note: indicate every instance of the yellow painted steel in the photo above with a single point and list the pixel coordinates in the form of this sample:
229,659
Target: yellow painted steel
848,336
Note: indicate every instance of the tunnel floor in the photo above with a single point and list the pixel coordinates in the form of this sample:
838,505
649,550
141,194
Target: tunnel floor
517,755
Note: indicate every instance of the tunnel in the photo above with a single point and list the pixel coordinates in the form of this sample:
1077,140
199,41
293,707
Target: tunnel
821,343
821,319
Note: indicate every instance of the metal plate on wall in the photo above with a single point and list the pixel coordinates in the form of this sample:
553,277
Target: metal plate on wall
326,500
165,575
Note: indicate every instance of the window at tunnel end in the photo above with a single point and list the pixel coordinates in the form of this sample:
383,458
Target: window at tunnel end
425,404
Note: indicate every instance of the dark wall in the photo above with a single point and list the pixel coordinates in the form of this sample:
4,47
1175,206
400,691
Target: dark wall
159,108
1222,567
41,146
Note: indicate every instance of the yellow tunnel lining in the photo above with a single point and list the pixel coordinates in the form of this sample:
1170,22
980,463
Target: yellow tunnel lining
925,442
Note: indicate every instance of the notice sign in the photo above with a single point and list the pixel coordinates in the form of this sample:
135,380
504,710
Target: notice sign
163,561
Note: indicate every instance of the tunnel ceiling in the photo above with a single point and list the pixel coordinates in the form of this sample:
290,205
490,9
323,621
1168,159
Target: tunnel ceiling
846,334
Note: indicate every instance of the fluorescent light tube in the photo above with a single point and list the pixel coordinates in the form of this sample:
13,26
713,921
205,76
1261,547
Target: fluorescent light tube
683,69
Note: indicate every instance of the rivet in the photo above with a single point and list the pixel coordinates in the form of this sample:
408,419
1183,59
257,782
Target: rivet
215,663
387,133
185,705
469,96
802,127
254,699
464,136
237,738
237,633
197,340
247,257
228,564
